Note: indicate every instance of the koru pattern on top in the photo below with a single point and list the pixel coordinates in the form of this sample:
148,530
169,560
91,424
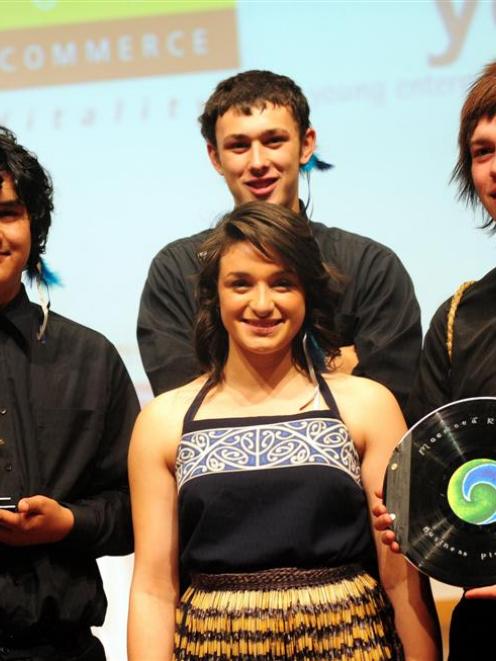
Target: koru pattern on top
316,441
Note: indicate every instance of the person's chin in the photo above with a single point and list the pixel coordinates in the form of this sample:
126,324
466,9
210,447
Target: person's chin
269,194
271,343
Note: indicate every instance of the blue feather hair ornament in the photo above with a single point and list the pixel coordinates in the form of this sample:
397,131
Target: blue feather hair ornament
49,277
314,355
45,278
315,163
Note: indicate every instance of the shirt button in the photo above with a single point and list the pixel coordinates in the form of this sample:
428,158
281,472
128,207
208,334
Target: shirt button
3,411
8,467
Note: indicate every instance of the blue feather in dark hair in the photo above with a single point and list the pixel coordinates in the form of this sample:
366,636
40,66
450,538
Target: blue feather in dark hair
49,277
318,356
315,163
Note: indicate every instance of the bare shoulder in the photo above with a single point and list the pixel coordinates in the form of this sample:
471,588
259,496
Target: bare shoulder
359,389
159,426
174,403
369,410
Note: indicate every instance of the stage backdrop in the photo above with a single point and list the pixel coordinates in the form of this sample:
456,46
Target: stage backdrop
108,93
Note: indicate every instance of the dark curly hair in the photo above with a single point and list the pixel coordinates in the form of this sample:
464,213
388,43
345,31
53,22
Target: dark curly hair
34,187
480,102
254,89
278,233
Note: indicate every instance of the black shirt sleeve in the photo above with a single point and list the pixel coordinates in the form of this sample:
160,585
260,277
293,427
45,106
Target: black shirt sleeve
166,317
387,333
102,519
378,313
432,387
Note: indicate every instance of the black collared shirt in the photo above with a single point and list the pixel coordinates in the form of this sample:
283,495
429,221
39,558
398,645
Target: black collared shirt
67,407
378,311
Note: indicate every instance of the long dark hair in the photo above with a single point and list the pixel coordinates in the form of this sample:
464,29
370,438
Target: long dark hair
277,232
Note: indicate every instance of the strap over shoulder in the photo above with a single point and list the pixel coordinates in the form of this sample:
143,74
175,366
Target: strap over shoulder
455,302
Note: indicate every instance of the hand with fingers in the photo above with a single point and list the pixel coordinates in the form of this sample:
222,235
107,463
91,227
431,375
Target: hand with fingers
38,520
383,521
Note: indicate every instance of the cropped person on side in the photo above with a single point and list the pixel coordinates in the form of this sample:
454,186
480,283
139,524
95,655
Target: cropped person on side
261,473
67,407
459,355
259,138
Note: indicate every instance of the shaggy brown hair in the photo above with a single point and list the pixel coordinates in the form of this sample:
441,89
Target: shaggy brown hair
278,233
480,103
254,89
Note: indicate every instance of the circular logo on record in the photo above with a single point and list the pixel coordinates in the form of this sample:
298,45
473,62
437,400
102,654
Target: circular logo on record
472,492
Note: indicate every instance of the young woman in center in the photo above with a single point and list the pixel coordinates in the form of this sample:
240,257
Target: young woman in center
252,485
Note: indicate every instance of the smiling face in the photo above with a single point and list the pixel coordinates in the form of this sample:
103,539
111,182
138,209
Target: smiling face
483,154
15,239
262,304
260,154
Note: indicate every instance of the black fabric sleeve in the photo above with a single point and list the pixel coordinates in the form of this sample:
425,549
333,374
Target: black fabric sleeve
165,321
103,523
387,335
432,387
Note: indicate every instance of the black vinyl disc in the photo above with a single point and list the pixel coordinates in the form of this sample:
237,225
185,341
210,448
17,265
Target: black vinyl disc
441,486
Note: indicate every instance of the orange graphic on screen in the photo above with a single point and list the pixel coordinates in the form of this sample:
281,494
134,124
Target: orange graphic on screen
54,42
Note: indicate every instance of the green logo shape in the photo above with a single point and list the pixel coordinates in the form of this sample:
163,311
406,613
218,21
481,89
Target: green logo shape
472,491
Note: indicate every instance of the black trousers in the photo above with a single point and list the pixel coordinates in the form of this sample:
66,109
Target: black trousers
85,648
472,630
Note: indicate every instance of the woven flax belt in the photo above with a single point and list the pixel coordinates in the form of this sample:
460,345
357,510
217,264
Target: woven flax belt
273,579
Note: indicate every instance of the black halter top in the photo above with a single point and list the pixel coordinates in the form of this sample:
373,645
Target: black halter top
270,491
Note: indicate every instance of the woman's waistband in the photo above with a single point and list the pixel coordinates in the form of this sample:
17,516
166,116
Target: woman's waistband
281,578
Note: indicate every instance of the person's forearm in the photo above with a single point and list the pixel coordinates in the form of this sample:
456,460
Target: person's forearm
415,617
151,626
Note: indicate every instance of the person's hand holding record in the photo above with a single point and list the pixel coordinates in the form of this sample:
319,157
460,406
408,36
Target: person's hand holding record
440,487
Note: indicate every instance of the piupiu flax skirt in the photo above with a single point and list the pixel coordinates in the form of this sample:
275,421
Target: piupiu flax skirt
285,614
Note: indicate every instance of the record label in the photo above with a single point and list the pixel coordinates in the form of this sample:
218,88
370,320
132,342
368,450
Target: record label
441,485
